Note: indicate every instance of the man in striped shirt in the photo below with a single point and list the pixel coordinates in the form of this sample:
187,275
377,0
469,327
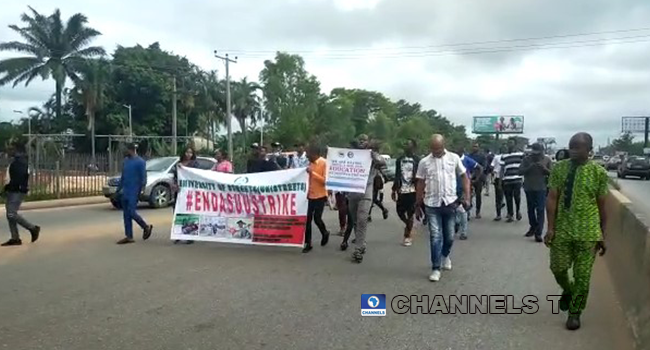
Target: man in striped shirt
512,180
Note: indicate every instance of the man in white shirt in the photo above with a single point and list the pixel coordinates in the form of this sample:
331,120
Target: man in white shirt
436,187
497,173
300,159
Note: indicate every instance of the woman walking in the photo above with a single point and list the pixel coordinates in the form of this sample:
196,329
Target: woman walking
187,159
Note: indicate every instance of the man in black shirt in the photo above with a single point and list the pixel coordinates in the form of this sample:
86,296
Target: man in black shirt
14,193
478,177
261,164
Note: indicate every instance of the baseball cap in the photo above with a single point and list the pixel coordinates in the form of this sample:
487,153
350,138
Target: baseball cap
255,145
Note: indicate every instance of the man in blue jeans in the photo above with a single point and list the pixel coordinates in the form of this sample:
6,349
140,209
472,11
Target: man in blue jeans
436,190
536,168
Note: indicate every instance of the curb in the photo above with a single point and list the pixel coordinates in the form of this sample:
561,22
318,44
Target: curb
61,203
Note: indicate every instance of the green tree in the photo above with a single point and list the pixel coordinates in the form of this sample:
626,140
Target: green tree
53,49
291,97
90,91
245,105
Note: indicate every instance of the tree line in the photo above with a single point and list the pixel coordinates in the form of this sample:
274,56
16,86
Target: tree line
287,100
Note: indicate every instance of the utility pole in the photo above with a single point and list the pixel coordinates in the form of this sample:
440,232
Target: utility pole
130,123
174,122
227,60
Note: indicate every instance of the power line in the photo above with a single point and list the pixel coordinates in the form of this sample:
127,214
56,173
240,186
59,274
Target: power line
620,31
484,50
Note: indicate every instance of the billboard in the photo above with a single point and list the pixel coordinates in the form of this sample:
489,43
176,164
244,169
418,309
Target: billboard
633,124
502,124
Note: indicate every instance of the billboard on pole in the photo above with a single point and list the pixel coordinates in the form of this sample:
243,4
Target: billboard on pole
501,124
633,124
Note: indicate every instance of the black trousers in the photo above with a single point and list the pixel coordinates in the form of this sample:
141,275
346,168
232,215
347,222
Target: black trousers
377,199
498,195
315,209
512,192
478,192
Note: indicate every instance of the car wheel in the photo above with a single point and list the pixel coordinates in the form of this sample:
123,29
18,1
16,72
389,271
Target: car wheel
116,204
160,196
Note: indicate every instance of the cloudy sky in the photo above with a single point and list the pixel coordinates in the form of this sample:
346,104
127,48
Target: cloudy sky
411,49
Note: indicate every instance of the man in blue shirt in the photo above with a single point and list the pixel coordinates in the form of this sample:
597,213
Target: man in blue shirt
132,182
462,213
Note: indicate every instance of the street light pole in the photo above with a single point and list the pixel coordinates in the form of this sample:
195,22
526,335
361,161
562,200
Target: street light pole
228,106
130,123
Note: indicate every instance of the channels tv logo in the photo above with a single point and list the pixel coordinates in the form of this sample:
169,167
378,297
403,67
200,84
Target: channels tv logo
373,304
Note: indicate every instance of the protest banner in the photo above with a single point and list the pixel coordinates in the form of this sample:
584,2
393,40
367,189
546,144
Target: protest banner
263,209
347,169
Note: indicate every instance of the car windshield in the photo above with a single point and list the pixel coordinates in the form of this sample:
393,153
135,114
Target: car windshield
160,164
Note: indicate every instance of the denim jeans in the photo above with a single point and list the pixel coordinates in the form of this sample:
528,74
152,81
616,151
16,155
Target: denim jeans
461,220
440,222
536,204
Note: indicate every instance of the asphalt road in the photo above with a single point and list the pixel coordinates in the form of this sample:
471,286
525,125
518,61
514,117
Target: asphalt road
76,289
638,191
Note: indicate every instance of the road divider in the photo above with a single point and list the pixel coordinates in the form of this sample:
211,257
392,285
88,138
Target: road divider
61,203
628,259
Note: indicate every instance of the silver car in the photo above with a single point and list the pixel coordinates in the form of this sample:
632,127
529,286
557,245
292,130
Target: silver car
160,180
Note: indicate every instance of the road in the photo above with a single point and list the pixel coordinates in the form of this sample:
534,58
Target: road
76,289
638,191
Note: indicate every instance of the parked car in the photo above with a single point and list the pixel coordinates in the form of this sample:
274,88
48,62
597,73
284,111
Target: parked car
613,163
160,177
599,160
634,166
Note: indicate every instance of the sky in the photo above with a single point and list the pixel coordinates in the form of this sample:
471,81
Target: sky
415,50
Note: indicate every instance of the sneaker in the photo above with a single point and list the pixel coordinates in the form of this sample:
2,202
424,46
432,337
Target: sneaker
36,231
357,256
446,263
369,218
463,237
478,216
344,246
307,248
510,219
498,218
434,276
407,242
519,217
539,239
385,214
530,233
12,242
125,240
573,322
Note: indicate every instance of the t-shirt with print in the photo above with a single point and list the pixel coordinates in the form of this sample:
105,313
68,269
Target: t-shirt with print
407,182
578,217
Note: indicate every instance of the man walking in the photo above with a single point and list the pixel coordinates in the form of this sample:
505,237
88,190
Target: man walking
436,190
462,211
497,175
403,191
317,197
478,177
535,168
133,180
15,191
576,223
512,180
359,203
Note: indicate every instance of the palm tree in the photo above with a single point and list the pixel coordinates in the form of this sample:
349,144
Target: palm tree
53,49
90,90
245,103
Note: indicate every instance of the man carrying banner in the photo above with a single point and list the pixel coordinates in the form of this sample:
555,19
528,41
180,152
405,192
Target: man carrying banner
359,203
317,197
